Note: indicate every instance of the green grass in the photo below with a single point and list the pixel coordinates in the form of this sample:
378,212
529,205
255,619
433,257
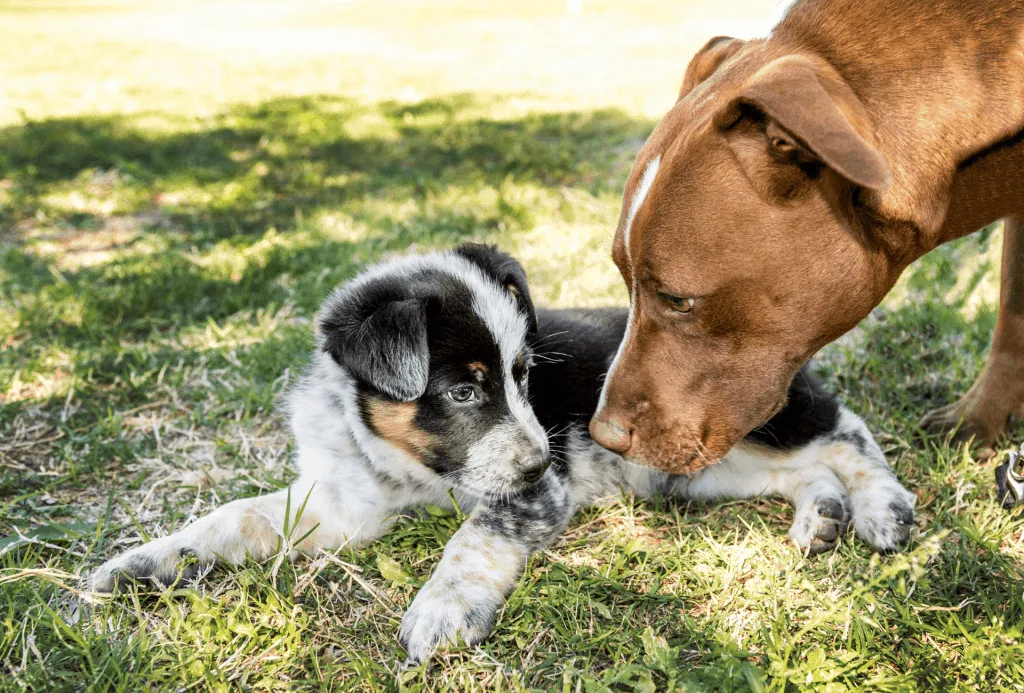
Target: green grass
179,188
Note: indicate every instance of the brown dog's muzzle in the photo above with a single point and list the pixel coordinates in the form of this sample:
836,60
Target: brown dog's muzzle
643,441
626,423
673,422
676,449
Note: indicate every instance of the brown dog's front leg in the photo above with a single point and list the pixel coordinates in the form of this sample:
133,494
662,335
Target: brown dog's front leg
998,393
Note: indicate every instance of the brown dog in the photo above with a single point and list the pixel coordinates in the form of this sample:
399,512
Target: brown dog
782,196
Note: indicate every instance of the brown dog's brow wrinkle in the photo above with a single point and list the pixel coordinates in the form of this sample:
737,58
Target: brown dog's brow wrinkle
645,274
649,280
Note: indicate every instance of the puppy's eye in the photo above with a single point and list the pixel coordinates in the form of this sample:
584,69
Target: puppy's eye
462,393
678,304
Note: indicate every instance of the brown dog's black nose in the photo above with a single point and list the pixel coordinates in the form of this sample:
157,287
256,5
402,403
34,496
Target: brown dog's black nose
535,471
609,433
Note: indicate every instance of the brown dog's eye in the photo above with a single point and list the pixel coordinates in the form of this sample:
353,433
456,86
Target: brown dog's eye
678,304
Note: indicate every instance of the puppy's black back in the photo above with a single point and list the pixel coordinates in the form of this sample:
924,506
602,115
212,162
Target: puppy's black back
574,348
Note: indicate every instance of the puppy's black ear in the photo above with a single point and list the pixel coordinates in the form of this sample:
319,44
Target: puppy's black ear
507,271
380,338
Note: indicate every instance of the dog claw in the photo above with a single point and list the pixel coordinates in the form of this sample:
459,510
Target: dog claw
966,422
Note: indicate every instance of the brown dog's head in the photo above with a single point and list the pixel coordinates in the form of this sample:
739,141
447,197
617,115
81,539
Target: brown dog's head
743,243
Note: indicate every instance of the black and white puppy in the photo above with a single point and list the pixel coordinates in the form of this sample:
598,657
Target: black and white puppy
435,373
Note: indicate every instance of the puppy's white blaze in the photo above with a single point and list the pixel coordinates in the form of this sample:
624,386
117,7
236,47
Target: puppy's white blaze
500,314
498,311
523,414
644,187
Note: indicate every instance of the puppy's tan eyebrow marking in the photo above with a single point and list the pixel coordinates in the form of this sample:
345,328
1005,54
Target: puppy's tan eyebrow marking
479,370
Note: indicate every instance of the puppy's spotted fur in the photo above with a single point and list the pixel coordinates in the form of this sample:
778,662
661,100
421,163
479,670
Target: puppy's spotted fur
435,373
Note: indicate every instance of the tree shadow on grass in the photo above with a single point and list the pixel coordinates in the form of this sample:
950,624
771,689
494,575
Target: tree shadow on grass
265,205
275,165
259,167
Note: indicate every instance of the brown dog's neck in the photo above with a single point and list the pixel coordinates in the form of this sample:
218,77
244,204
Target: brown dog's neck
942,90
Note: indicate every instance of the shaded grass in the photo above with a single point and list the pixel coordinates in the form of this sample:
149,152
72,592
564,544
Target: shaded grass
158,278
203,250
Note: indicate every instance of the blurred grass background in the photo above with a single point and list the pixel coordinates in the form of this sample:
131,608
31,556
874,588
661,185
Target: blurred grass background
180,185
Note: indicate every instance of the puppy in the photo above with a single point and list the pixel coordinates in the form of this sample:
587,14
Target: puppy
435,374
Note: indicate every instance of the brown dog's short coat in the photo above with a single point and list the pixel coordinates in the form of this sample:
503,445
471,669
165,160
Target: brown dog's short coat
781,197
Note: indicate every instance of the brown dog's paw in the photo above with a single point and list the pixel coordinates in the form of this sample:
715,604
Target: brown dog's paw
966,424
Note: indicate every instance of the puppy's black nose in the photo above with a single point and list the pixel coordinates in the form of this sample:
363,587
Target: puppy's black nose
535,471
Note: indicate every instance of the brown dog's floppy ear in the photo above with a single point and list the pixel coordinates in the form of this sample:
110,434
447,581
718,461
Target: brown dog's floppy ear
707,59
789,92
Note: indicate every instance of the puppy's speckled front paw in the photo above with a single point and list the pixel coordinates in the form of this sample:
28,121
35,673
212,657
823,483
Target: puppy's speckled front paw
157,564
818,525
883,515
445,612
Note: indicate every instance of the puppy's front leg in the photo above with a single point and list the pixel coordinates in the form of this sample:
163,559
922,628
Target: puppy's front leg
481,565
312,514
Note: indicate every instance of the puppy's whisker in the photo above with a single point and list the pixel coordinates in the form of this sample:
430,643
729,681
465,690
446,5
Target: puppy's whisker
560,430
548,337
548,354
